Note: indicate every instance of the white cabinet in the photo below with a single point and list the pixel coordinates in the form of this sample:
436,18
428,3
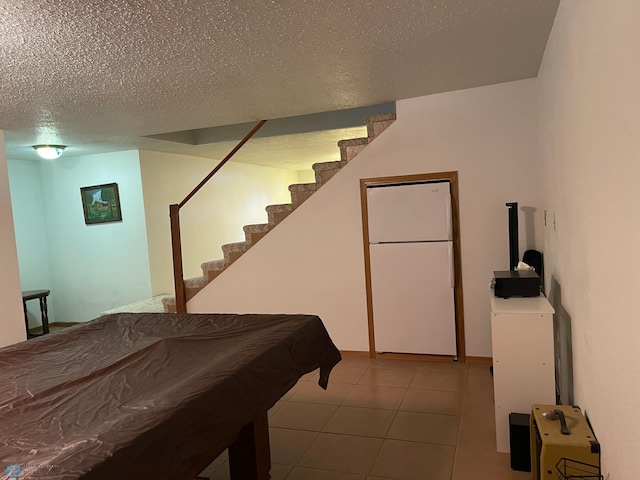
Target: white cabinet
523,359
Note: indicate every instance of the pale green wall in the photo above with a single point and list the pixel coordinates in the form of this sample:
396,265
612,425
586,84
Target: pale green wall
31,232
94,267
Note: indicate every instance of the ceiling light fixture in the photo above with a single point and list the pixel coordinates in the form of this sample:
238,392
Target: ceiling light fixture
49,152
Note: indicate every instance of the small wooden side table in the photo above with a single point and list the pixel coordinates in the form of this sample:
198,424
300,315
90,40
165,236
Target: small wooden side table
42,296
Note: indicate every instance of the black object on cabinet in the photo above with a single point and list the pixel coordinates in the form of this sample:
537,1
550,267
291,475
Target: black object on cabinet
514,252
533,258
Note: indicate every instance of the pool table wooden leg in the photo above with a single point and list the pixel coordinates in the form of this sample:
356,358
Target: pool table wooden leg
249,455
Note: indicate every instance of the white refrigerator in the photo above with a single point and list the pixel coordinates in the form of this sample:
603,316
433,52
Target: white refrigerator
412,268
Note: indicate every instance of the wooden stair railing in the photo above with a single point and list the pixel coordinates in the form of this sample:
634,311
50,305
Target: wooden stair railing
174,215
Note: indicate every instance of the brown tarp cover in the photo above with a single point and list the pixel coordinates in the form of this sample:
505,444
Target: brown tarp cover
144,396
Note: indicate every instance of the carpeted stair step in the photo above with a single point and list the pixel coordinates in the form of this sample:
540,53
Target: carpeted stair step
233,251
301,192
211,270
324,171
376,124
352,147
169,304
253,233
277,213
194,285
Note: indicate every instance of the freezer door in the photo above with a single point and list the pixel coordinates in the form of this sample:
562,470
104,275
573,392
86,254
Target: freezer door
409,212
413,300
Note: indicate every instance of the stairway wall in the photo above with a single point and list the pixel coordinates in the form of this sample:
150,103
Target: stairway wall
31,232
313,261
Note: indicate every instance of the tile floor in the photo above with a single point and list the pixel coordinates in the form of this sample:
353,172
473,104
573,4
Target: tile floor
386,420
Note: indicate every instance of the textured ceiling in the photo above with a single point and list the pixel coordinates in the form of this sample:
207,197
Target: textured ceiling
98,75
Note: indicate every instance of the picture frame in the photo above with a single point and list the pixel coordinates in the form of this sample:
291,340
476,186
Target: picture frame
101,203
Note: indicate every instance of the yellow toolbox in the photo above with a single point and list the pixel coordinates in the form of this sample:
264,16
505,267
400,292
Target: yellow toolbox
563,445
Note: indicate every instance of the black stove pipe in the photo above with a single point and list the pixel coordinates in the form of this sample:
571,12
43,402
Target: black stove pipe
514,254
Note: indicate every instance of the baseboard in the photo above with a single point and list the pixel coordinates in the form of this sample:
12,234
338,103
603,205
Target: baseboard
413,356
416,357
354,354
480,360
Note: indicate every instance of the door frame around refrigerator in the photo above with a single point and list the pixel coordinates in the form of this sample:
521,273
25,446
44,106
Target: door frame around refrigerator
452,178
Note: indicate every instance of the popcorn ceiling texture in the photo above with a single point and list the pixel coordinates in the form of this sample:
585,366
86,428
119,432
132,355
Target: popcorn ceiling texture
105,72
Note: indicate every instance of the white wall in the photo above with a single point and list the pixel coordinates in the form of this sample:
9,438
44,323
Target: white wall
236,196
313,262
101,266
12,328
590,150
31,235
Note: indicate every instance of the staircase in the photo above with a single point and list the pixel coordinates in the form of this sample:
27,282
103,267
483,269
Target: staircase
376,124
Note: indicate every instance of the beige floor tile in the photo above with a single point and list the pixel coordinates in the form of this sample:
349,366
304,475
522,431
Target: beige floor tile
213,466
375,396
367,422
288,446
479,369
341,453
290,393
275,408
481,386
425,427
280,472
478,404
339,434
481,381
343,373
207,472
401,364
309,376
432,401
444,367
302,416
311,392
356,361
387,377
438,380
300,473
478,432
414,461
484,465
222,472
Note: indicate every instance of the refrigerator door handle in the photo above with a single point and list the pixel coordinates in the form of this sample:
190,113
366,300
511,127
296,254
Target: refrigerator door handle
452,269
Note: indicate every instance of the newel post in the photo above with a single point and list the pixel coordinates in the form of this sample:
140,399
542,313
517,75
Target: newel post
176,247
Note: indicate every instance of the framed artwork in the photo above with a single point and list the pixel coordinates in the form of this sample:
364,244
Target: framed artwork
101,203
